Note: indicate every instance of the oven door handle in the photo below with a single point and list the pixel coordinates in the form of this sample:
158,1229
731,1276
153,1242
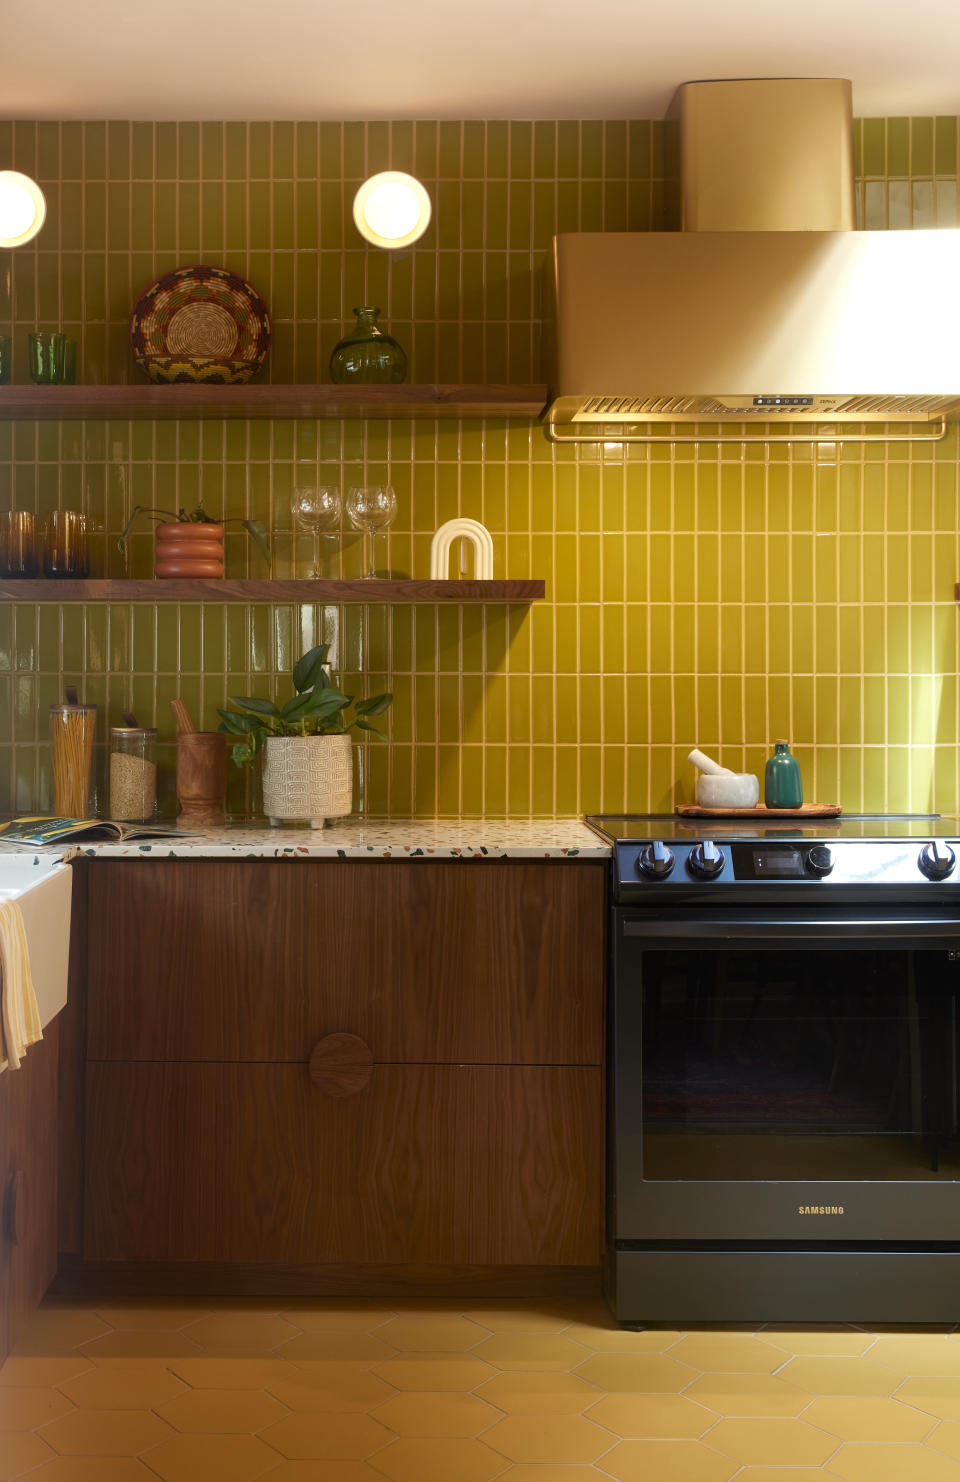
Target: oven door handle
796,928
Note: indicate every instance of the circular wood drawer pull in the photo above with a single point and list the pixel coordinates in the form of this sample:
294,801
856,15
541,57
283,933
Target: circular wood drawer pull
340,1064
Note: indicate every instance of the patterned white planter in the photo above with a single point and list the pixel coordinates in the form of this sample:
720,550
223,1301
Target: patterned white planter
309,778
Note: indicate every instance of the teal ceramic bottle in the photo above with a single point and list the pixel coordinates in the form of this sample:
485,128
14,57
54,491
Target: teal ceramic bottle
367,355
782,783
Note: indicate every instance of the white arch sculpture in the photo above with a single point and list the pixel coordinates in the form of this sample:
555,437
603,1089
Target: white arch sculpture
462,529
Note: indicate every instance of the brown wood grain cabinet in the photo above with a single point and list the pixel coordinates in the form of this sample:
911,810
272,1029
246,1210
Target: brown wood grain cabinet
28,1185
475,1141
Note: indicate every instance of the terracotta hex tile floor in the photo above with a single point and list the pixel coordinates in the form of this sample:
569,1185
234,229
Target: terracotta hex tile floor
441,1391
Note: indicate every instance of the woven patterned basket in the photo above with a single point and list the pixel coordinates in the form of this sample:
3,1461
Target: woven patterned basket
307,778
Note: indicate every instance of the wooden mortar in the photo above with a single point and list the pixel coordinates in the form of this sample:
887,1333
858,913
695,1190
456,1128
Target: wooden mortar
201,776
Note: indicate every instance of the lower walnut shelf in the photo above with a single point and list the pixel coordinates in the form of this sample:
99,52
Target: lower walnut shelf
373,589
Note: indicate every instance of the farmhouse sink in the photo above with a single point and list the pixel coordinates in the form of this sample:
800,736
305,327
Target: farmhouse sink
41,888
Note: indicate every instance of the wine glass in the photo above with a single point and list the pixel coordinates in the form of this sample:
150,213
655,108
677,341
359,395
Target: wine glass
316,507
371,509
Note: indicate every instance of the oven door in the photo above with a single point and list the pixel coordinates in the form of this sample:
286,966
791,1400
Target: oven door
785,1075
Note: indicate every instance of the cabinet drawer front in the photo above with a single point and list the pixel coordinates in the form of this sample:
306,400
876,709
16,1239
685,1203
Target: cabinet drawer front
465,1165
487,963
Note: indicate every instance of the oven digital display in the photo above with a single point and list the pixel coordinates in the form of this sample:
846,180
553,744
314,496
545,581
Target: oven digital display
782,864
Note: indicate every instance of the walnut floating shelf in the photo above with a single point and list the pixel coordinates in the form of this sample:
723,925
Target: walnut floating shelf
374,589
63,403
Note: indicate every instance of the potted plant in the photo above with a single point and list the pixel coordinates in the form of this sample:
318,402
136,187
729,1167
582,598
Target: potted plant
306,743
191,545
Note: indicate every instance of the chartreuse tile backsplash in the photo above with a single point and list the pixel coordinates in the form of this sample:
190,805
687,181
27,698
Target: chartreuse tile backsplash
722,597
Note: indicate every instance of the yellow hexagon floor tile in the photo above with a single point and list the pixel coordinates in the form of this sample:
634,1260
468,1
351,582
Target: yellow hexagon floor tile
251,1331
323,1384
549,1438
442,1332
20,1451
324,1471
157,1317
441,1371
53,1330
230,1373
748,1394
868,1418
417,1460
27,1407
917,1354
539,1473
95,1469
221,1411
655,1416
603,1339
939,1397
636,1372
413,1414
892,1462
946,1438
839,1376
106,1432
779,1474
667,1461
839,1341
737,1353
40,1372
523,1317
756,1442
123,1384
524,1350
334,1316
341,1347
306,1434
132,1343
538,1392
202,1458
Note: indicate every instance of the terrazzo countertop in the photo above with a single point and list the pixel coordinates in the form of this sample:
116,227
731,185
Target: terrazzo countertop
482,838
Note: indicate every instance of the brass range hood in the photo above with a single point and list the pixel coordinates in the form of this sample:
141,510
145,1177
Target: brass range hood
764,314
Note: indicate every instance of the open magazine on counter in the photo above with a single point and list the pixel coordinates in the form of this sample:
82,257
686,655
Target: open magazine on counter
32,832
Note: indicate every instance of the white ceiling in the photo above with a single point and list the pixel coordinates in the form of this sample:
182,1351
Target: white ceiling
289,59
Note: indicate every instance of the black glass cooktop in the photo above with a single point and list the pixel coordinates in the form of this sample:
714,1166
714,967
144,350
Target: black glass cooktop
668,826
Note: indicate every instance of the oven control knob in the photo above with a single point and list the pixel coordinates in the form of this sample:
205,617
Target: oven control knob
655,860
705,860
820,860
936,860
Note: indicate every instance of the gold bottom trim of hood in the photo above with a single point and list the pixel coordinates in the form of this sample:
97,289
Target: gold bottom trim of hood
806,428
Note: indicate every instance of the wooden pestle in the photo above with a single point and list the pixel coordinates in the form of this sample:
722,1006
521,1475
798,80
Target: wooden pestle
184,720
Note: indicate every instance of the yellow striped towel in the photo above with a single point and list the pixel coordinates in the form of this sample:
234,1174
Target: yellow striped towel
20,1018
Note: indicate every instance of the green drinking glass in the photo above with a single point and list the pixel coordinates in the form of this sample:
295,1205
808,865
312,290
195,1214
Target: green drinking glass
45,352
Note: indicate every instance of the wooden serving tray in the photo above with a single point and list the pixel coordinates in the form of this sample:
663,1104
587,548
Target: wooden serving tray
806,810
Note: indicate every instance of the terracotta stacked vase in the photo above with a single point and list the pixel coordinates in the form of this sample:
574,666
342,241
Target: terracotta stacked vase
188,550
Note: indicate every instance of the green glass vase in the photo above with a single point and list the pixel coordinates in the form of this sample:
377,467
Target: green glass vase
367,356
782,783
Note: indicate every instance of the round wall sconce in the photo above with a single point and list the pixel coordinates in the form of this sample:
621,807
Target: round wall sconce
23,209
391,209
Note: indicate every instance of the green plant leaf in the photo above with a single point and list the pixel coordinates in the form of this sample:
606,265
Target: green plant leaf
308,670
376,704
140,509
325,702
256,704
296,708
242,754
238,725
258,531
364,725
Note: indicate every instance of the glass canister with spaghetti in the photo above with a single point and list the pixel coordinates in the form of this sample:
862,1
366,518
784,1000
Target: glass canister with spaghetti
72,729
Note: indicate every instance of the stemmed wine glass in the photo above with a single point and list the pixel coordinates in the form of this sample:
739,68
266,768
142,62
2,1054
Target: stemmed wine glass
371,509
316,507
